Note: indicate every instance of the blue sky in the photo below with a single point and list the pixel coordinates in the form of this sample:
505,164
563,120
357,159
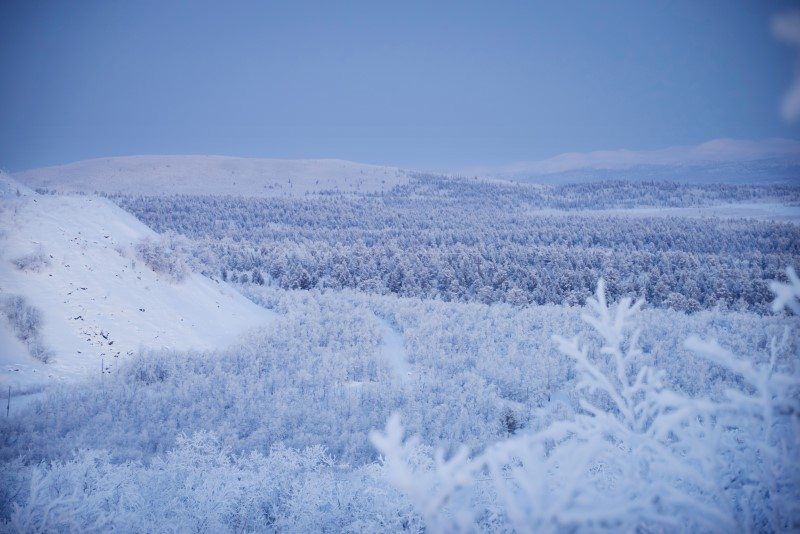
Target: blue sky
418,84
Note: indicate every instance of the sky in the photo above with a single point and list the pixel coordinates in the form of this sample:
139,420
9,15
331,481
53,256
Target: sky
428,85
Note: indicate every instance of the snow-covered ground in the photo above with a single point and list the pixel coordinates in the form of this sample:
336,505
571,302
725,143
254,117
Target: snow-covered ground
100,304
213,175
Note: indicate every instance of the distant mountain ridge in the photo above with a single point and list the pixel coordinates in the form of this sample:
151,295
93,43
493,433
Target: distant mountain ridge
766,171
720,160
717,161
213,175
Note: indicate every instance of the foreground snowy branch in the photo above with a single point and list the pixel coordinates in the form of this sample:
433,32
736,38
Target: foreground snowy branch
761,418
636,454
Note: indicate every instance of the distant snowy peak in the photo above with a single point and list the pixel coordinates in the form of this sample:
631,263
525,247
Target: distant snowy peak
718,160
213,175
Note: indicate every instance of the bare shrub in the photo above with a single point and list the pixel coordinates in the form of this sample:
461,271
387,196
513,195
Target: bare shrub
39,351
35,261
25,321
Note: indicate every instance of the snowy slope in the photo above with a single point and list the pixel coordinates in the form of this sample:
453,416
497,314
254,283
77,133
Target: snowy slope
213,175
97,301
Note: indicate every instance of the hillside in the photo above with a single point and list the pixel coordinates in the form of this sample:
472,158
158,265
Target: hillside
72,259
213,175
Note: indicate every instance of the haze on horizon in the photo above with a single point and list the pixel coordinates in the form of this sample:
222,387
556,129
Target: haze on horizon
418,85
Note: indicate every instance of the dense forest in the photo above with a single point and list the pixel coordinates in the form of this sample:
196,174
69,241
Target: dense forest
470,240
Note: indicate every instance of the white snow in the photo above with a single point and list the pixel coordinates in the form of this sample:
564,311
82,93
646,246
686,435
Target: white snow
213,175
99,304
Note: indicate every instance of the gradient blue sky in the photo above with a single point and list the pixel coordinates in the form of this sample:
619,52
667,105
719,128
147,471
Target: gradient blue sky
418,84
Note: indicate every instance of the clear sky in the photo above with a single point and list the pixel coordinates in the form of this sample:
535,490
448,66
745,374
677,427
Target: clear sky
417,84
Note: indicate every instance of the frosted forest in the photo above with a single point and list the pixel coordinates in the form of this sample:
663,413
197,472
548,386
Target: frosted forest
414,267
452,355
438,238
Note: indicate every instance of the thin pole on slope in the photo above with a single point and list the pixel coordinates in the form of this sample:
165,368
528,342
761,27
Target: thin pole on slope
8,402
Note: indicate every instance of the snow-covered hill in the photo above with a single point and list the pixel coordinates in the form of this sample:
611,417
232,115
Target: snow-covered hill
213,175
72,259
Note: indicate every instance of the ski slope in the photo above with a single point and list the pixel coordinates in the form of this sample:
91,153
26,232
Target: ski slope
213,175
99,303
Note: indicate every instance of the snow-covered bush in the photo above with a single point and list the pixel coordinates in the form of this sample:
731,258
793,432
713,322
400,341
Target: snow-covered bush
200,486
787,295
24,318
625,461
635,456
34,261
25,321
166,255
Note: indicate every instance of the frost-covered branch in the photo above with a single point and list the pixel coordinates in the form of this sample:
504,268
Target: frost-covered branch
787,295
635,461
760,415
